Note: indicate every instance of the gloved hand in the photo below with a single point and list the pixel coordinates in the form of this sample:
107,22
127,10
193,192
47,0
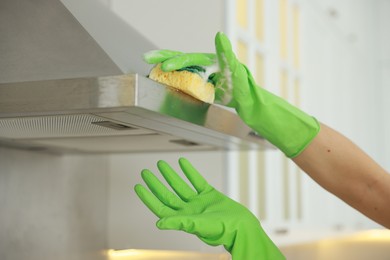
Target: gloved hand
206,213
282,124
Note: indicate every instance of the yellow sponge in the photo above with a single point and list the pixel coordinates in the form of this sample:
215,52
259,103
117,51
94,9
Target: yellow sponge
185,81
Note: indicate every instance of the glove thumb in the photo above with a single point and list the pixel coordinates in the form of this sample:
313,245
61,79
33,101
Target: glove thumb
190,224
193,225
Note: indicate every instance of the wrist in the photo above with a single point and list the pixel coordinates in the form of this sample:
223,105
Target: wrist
282,124
251,242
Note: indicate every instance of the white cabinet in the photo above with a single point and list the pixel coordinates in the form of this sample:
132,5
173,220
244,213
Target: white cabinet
341,89
383,61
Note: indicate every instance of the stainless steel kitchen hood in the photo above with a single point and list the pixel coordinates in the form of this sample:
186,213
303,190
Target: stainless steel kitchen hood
61,91
115,114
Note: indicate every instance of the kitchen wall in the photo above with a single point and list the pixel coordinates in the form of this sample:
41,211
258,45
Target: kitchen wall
52,206
168,24
174,24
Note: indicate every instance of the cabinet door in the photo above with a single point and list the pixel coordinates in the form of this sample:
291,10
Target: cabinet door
338,70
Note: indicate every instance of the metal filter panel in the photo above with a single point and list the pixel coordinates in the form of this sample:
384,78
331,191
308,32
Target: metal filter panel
78,125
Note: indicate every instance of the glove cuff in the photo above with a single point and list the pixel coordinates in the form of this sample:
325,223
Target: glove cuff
253,243
282,124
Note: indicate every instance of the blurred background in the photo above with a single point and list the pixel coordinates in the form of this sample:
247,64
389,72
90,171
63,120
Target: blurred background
330,58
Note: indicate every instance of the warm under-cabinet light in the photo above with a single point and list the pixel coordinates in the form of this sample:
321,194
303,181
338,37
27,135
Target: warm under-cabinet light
372,235
138,254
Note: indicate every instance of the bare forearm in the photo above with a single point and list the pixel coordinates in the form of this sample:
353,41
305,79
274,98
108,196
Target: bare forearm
343,169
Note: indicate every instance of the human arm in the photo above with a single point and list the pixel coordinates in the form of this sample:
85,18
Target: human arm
342,168
205,212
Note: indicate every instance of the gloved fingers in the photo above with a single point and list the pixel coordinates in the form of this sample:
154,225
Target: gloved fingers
154,204
182,189
228,63
158,56
226,58
197,180
234,73
161,191
189,59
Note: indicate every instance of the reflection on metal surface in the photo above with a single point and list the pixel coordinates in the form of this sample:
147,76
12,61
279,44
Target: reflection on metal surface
185,107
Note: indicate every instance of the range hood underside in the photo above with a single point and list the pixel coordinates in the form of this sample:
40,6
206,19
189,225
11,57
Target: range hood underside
87,133
126,113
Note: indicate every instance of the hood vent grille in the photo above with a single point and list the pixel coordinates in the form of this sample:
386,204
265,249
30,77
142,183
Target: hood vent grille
64,126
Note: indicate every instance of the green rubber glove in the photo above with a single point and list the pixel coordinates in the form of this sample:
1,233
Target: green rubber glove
205,212
282,124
